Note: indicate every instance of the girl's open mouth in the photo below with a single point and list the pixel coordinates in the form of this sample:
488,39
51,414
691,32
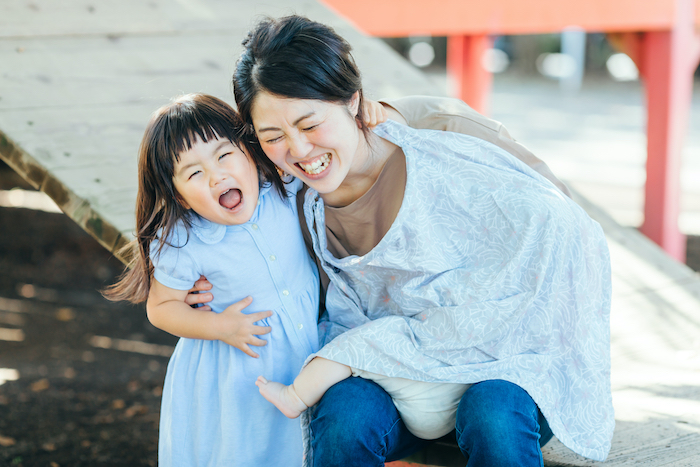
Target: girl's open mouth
317,166
231,198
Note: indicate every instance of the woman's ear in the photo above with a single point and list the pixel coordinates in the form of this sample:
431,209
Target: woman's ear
354,104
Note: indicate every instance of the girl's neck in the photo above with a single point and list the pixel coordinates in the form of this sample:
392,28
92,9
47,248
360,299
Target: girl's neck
370,159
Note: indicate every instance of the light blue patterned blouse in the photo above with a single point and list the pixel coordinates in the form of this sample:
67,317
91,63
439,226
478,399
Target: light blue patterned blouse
488,272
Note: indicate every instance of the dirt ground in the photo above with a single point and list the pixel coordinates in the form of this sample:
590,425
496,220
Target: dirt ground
75,403
86,390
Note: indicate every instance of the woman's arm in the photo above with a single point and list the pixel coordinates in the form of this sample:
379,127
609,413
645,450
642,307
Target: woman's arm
448,114
168,311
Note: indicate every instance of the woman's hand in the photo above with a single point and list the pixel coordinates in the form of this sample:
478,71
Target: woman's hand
373,113
239,329
198,297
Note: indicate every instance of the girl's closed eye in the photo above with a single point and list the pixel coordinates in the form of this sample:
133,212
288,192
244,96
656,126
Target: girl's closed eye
193,174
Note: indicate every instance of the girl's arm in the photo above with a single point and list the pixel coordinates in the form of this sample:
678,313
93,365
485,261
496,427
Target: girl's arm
168,311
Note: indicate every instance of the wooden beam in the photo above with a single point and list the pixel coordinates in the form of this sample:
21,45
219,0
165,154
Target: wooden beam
399,18
472,82
669,59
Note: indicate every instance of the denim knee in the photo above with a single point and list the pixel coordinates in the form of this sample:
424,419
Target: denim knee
498,423
352,420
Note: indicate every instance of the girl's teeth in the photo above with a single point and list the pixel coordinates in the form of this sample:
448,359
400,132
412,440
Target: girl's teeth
317,166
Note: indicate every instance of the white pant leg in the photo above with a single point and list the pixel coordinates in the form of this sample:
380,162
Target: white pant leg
428,409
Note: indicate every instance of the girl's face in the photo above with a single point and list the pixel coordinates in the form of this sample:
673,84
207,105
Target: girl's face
218,181
316,141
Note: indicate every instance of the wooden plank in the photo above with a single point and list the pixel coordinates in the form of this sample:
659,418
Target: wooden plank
397,18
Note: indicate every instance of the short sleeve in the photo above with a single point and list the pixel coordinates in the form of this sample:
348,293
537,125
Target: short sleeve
449,114
174,267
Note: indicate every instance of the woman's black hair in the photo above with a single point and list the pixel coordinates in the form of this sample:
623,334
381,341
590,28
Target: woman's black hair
295,57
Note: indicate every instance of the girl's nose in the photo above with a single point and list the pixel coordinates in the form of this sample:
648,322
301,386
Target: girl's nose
217,177
299,145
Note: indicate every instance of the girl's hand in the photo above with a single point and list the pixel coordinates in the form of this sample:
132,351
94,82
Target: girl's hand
239,330
197,296
374,113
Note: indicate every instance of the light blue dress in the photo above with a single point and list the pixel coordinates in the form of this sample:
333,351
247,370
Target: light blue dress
212,413
488,272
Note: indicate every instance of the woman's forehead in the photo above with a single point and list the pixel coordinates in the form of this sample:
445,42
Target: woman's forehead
268,109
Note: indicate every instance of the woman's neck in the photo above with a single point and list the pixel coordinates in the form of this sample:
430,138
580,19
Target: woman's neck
370,160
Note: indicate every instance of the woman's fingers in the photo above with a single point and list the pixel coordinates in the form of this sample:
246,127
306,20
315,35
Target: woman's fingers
201,284
198,298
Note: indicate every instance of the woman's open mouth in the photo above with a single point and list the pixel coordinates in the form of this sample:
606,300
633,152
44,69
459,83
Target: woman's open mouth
317,166
231,199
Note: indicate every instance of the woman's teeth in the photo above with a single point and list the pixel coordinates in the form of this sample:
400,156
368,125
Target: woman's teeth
318,166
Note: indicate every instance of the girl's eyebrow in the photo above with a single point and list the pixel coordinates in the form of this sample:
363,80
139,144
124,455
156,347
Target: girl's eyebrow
294,123
223,143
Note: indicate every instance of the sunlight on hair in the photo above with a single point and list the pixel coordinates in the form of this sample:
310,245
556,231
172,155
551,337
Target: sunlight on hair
8,374
125,345
18,198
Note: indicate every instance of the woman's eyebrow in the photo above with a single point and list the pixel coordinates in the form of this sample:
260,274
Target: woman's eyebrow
294,123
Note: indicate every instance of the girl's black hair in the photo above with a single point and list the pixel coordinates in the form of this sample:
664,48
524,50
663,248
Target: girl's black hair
297,58
172,130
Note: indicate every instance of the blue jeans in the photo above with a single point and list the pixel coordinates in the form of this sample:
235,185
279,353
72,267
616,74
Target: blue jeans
356,424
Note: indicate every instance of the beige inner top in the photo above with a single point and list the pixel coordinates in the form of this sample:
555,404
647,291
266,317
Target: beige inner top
358,227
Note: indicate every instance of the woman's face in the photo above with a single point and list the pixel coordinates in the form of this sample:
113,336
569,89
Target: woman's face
318,142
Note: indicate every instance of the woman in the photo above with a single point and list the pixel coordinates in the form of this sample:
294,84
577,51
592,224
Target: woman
488,273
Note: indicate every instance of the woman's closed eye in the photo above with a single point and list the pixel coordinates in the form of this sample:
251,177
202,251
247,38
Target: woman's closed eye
274,140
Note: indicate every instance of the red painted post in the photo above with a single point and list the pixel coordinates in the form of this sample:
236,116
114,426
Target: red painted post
669,59
464,65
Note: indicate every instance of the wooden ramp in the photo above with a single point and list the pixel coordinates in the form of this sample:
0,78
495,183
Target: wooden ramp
78,81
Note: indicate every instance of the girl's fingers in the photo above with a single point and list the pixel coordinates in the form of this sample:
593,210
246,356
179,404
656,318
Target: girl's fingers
260,330
241,304
254,317
246,350
258,342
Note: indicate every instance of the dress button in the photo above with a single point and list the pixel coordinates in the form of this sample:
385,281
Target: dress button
300,326
285,292
273,257
255,226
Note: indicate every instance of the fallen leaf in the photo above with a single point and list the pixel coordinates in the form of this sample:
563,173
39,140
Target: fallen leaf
6,441
40,385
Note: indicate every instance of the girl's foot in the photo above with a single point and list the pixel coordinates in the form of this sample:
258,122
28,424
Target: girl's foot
283,397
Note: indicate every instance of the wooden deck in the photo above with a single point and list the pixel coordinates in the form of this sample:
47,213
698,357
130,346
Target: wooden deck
78,81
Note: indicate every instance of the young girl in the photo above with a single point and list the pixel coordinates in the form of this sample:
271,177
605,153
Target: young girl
209,203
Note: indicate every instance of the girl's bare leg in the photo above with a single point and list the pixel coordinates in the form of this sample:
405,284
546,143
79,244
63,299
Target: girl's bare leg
309,386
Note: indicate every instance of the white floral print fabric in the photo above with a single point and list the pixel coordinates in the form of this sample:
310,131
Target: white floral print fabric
488,272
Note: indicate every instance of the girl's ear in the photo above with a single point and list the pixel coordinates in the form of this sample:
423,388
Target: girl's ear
182,202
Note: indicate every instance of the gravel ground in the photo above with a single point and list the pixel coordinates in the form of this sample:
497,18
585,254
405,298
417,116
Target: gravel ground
79,400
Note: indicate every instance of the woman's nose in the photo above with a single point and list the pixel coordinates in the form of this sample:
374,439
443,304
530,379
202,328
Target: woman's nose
299,146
